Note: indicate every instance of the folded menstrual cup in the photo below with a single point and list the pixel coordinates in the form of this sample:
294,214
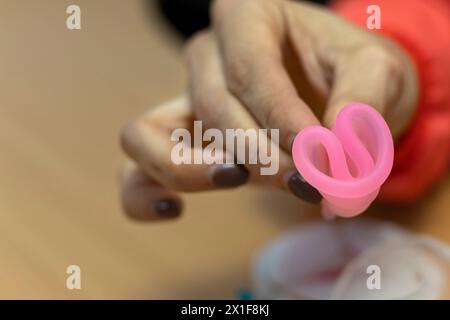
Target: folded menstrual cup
348,163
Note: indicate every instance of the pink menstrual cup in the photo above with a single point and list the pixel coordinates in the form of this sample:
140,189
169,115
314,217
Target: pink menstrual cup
348,163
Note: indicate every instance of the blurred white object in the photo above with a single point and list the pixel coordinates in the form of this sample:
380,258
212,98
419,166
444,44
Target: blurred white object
330,261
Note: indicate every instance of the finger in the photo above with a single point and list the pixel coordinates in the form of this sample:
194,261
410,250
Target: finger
213,104
371,75
362,67
144,199
153,143
217,108
253,65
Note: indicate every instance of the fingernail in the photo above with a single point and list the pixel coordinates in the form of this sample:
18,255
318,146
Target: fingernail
230,175
168,208
302,189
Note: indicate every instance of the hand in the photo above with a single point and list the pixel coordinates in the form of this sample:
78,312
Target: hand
264,64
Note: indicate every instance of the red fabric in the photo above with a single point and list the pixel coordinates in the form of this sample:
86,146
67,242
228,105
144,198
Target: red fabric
422,28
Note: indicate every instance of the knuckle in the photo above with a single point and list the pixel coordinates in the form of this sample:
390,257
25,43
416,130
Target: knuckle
238,76
126,136
272,117
221,9
383,56
131,132
195,43
385,59
201,103
218,8
209,106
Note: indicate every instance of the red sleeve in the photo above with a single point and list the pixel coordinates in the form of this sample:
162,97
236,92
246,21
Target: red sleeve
422,28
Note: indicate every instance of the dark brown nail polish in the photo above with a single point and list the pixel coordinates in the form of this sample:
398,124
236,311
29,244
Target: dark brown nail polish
302,189
230,175
168,208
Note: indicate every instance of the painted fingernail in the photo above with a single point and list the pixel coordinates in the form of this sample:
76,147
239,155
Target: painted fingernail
302,189
230,175
168,208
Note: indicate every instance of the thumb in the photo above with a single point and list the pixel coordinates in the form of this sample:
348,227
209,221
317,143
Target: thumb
372,76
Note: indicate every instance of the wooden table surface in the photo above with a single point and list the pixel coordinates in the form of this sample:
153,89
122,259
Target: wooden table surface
64,97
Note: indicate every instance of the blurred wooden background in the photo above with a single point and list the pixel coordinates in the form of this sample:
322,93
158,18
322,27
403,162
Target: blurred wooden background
64,97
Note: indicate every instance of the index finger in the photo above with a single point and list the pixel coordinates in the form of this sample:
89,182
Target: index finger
250,37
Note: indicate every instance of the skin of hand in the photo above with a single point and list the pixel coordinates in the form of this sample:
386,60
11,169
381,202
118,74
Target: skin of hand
263,64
